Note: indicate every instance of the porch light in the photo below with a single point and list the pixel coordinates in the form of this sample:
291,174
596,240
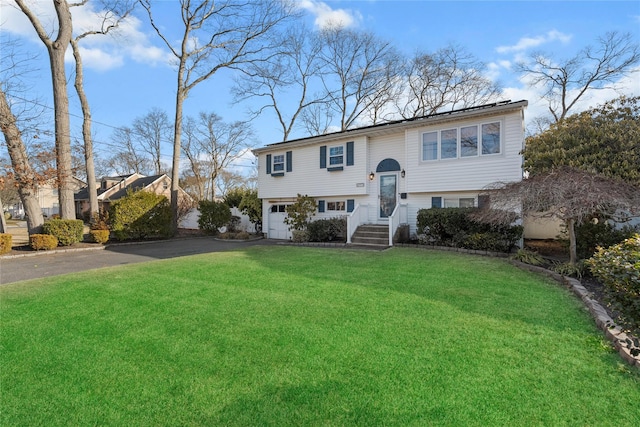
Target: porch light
371,176
402,173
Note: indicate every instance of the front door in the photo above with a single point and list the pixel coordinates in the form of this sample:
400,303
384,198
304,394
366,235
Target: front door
388,193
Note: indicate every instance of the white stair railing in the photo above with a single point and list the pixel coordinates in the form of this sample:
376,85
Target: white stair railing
400,215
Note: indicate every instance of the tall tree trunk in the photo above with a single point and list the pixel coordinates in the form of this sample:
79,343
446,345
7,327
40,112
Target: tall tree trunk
25,176
62,128
3,223
181,95
573,255
86,134
56,49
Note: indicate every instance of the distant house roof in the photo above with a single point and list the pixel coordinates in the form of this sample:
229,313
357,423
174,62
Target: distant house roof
136,185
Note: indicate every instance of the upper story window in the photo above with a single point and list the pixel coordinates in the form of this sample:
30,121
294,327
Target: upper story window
466,141
336,156
278,163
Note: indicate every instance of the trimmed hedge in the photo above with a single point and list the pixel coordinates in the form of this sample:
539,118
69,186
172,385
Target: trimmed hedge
140,215
213,215
43,242
67,231
5,243
456,227
99,236
618,267
327,230
590,235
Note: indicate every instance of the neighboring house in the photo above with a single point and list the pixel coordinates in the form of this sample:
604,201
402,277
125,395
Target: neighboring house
114,188
384,174
48,196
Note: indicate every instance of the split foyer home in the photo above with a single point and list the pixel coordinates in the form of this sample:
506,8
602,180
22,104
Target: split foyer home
383,174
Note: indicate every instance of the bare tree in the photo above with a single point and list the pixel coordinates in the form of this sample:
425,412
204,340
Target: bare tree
111,18
128,159
56,48
152,131
447,79
285,81
211,145
215,35
356,69
24,174
565,82
569,195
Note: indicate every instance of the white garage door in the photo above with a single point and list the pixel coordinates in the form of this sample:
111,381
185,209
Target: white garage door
277,227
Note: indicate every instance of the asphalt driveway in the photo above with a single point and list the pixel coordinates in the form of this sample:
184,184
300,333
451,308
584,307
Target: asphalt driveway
47,264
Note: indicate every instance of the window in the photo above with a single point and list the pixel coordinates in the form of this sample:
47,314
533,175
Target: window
278,163
336,206
449,144
336,156
278,208
462,142
491,138
469,141
463,202
430,146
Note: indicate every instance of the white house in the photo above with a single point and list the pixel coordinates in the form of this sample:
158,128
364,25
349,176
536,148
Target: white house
384,174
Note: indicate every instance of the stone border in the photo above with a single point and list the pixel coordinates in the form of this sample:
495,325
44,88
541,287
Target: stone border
622,342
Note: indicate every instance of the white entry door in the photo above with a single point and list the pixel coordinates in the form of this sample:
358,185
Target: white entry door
388,194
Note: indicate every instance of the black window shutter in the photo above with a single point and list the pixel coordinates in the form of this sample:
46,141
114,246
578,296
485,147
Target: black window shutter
323,157
289,161
268,164
350,205
350,153
483,201
320,205
436,202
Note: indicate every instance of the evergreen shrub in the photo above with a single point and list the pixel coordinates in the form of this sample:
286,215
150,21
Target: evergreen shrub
328,230
618,267
140,215
213,215
456,227
43,242
5,243
99,236
67,231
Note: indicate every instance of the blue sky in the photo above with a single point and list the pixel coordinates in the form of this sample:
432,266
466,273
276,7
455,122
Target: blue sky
128,75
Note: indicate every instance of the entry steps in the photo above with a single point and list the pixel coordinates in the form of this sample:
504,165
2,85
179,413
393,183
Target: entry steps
371,235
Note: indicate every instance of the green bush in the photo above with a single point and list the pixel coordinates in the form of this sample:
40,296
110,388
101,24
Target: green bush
328,230
597,233
5,243
299,213
233,226
251,206
67,231
528,257
618,267
456,227
99,236
234,197
43,242
140,215
213,215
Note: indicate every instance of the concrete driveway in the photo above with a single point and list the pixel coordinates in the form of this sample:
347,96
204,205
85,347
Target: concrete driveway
47,264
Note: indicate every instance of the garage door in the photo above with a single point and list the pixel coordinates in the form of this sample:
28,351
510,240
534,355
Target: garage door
277,227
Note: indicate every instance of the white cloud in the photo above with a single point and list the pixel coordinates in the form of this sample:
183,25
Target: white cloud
99,52
531,42
325,16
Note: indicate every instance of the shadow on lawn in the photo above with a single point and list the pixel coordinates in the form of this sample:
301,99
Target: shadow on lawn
482,286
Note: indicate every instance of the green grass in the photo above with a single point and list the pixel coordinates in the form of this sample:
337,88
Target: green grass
280,336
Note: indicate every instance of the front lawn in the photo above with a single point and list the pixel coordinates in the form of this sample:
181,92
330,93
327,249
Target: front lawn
304,336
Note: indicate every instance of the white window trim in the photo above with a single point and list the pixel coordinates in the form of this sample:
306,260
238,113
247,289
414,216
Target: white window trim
274,163
343,155
459,155
342,203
